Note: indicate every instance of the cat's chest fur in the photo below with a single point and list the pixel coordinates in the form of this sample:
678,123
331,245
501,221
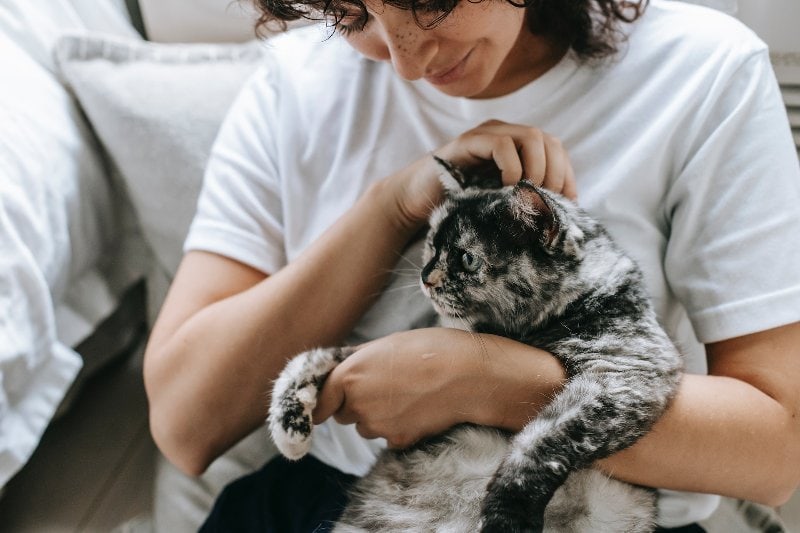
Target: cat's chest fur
437,485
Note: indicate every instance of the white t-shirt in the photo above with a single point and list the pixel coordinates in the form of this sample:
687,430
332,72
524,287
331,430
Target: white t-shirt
680,145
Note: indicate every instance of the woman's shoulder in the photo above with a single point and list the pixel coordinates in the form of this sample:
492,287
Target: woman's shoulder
676,41
688,31
312,53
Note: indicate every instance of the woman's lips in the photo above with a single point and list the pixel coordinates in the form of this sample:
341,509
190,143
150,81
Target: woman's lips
449,75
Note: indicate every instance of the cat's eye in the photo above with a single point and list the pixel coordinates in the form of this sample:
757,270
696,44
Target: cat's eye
470,262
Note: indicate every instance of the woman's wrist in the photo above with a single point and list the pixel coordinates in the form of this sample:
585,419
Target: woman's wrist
409,195
512,382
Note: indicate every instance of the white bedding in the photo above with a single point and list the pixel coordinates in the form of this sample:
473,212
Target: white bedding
57,220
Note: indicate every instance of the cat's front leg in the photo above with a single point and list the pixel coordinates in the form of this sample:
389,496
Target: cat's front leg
510,508
294,397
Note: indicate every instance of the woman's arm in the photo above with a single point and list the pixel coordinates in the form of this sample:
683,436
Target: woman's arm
226,330
735,432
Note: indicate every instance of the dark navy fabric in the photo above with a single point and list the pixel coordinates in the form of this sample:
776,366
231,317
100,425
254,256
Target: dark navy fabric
305,496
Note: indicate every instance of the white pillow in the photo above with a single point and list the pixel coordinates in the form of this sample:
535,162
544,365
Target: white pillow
156,109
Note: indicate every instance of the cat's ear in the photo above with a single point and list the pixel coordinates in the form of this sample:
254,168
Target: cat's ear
484,175
535,209
451,176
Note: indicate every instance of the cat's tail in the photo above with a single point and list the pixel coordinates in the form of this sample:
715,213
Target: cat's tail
761,517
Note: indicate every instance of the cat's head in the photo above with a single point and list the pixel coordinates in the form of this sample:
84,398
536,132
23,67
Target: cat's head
500,256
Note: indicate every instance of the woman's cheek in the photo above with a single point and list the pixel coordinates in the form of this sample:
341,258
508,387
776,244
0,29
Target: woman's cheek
371,47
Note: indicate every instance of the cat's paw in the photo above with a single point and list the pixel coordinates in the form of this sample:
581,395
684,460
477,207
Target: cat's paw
290,421
510,511
505,524
501,521
294,397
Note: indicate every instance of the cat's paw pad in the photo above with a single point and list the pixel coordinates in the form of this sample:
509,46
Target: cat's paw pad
290,421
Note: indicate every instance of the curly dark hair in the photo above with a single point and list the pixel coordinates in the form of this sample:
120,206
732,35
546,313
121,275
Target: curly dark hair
591,28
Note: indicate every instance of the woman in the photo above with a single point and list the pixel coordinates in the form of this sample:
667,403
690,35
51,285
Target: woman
321,178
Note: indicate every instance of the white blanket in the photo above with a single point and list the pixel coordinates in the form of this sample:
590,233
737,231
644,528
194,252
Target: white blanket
56,219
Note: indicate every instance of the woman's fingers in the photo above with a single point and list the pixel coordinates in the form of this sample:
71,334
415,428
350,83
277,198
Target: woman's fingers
330,401
570,186
519,152
533,152
504,153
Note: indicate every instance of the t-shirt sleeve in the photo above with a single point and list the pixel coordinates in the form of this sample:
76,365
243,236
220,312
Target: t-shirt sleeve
733,256
239,211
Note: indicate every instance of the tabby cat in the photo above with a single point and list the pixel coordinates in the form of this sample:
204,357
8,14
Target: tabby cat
528,264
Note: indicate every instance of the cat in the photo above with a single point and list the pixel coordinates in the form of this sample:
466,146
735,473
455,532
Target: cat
528,264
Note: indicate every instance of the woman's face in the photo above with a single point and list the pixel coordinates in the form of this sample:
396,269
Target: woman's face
480,50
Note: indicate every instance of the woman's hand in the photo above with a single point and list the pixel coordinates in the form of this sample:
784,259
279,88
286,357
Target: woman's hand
418,383
401,387
519,152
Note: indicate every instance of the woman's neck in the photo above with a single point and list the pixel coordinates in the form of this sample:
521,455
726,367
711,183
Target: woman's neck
531,57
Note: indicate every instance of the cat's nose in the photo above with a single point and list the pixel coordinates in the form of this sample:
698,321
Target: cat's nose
432,279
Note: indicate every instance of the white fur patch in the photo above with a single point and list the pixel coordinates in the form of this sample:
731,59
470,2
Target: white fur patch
305,369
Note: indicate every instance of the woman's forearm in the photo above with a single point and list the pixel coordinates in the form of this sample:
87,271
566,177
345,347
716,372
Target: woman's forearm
208,381
720,436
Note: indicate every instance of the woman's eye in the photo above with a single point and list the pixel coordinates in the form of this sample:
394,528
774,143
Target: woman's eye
352,23
470,262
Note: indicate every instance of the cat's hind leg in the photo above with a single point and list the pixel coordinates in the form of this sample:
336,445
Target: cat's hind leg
294,396
594,416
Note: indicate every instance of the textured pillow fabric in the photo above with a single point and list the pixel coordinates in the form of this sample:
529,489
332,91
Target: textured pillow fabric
156,109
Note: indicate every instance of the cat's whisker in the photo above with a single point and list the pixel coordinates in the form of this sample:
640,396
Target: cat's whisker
408,260
465,325
404,272
401,288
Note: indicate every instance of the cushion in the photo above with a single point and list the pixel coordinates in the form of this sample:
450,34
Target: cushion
56,222
156,109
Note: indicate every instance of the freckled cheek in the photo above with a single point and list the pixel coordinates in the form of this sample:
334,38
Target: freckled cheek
399,46
370,46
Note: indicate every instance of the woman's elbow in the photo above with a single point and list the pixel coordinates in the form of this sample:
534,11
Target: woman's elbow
785,481
176,436
780,493
190,455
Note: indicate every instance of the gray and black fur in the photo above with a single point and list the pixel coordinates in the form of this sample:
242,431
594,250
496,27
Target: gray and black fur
530,265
